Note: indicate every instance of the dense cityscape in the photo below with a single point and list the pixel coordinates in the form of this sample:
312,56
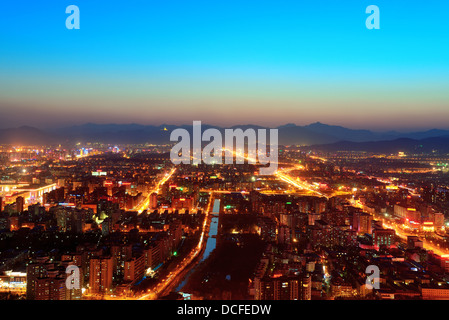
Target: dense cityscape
212,159
138,227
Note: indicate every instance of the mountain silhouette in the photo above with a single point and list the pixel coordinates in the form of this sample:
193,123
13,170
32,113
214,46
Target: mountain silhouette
290,134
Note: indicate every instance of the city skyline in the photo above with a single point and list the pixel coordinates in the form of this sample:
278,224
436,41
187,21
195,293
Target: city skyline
154,63
246,152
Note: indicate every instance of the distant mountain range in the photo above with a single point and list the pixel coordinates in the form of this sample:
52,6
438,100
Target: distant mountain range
320,136
431,145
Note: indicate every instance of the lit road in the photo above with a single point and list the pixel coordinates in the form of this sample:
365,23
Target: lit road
426,243
281,174
298,184
140,208
145,203
169,282
222,191
176,275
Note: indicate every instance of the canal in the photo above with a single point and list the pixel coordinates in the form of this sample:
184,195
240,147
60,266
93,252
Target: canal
211,242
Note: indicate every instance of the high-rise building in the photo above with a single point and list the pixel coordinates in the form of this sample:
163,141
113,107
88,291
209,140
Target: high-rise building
62,218
50,288
100,274
106,226
68,260
362,222
175,233
152,255
383,237
438,220
312,217
134,268
284,288
267,229
304,206
46,280
284,235
36,270
319,205
153,200
20,203
288,219
120,254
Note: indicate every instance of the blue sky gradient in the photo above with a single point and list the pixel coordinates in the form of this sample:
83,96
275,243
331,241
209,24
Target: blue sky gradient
225,62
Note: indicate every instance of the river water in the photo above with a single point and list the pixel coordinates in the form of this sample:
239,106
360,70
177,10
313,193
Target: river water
211,242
